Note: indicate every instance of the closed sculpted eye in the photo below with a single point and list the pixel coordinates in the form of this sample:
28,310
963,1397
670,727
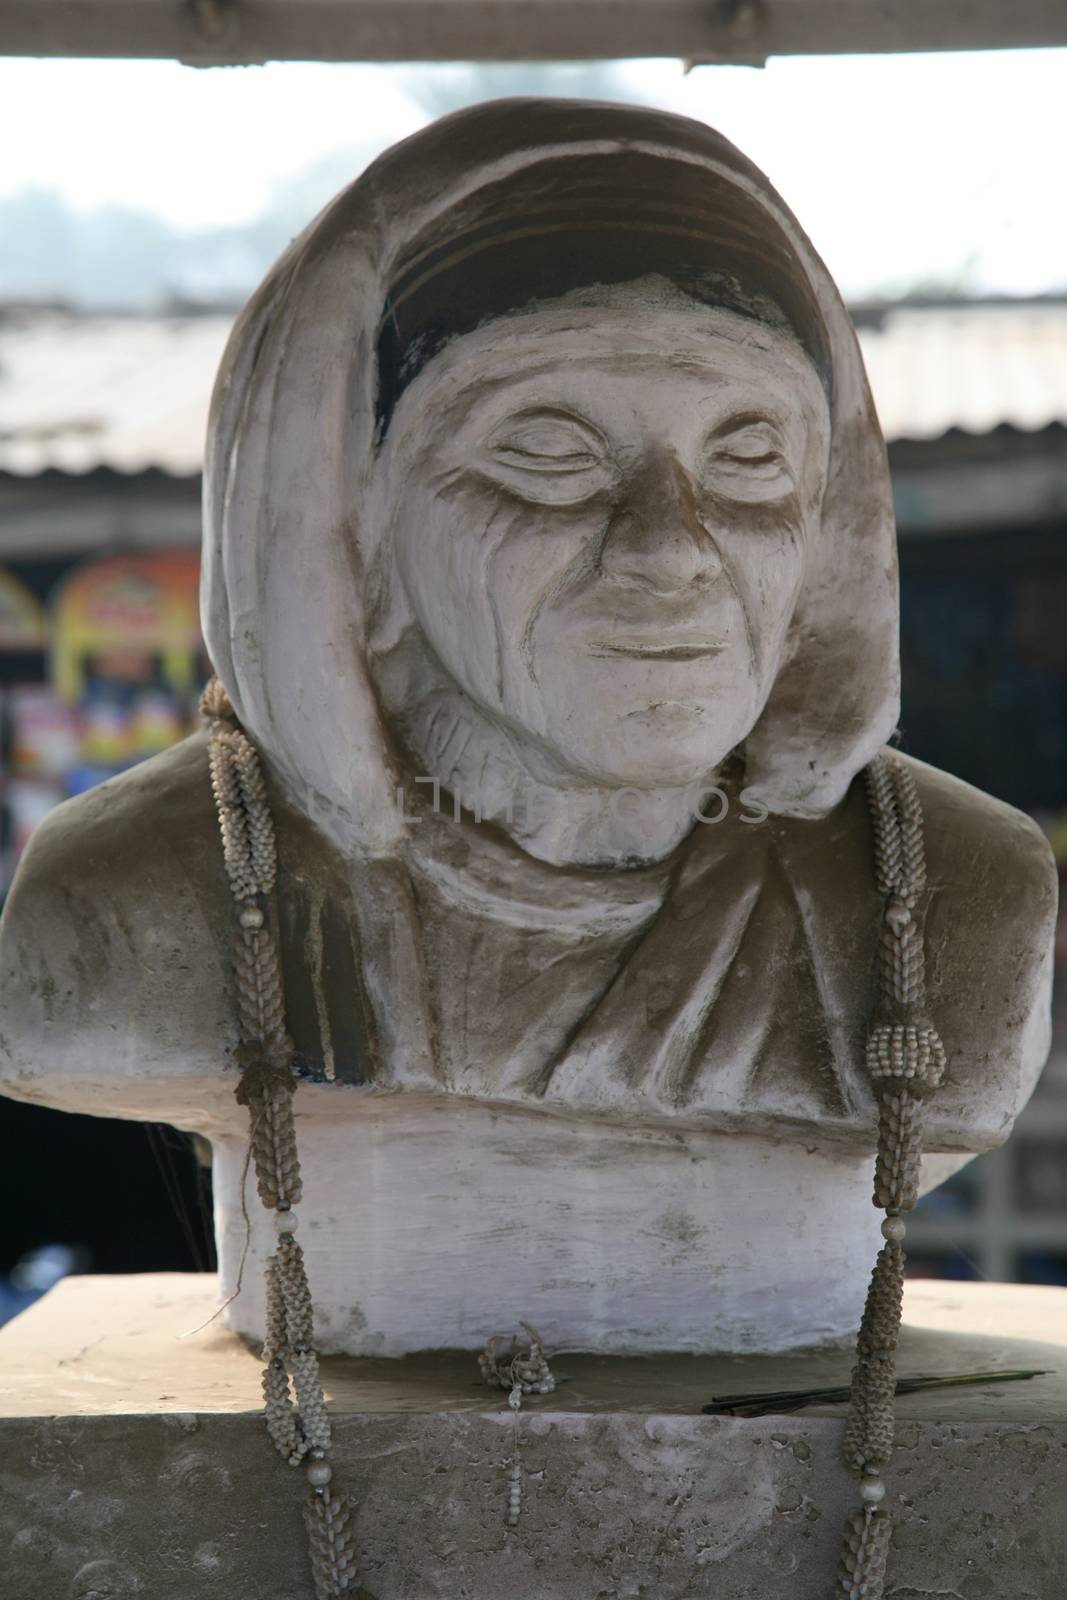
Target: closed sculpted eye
550,457
747,460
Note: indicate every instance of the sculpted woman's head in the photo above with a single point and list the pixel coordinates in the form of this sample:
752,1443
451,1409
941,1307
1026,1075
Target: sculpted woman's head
547,451
598,515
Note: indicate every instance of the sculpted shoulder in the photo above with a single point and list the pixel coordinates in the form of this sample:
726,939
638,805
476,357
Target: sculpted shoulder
989,948
112,945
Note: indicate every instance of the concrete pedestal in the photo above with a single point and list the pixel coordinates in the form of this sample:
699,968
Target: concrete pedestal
133,1463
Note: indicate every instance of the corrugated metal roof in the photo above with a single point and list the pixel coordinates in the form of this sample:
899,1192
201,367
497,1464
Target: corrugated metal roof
78,392
973,367
127,392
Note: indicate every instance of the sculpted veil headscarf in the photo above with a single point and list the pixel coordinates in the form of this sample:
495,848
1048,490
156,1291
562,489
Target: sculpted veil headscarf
485,212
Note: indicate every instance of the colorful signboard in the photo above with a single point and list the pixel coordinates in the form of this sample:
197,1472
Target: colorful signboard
111,614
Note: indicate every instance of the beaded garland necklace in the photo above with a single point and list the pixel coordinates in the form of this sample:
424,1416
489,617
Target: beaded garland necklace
905,1061
296,1415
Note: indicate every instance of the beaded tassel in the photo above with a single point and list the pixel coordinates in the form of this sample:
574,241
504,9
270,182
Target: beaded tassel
861,1575
906,1063
332,1546
520,1373
295,1407
514,1493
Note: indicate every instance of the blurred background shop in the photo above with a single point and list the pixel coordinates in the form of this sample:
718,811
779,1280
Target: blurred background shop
110,333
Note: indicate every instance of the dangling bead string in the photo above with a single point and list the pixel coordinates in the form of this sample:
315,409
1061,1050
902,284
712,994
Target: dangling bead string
296,1415
520,1374
906,1063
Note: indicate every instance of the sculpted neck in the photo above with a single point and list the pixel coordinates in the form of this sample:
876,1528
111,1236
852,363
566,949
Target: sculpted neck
559,816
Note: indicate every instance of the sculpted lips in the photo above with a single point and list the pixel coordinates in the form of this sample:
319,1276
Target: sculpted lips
658,650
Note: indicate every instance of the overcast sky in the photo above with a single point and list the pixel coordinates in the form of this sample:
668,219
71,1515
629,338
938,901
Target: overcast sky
901,168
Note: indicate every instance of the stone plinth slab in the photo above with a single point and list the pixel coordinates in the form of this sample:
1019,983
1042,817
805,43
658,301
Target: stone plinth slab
132,1463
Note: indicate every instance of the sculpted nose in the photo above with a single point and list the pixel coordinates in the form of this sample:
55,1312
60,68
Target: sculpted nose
656,540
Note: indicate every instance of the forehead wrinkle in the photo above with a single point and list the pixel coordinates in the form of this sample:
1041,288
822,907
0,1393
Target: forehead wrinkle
516,362
484,377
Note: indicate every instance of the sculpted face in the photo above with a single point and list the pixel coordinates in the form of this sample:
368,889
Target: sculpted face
599,517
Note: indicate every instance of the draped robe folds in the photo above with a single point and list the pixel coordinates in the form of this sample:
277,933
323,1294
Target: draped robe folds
729,987
702,987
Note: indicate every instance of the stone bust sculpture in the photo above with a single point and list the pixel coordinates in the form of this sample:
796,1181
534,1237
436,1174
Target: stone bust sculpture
549,562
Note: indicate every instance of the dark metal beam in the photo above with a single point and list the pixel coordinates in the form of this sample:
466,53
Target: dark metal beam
206,32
